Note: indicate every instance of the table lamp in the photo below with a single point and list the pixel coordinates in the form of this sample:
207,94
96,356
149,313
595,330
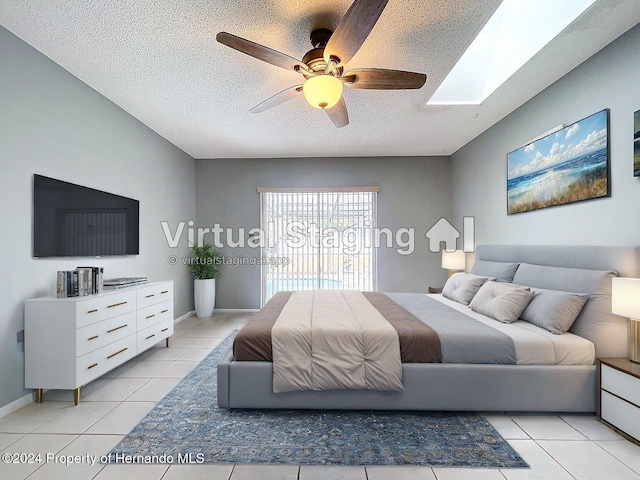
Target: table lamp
625,301
454,261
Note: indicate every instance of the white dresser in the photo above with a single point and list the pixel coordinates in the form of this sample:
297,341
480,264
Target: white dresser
71,341
620,395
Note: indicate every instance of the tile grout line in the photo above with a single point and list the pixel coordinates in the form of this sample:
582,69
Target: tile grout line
541,447
554,458
595,442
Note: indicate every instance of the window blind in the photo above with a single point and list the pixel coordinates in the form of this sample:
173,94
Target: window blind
318,238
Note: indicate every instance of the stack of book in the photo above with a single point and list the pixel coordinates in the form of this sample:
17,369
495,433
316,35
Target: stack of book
79,282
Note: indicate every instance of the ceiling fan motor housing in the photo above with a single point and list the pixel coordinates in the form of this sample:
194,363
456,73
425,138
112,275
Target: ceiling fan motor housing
314,58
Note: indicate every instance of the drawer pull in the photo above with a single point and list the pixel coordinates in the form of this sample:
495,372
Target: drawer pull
152,295
91,366
117,328
150,336
116,304
92,338
118,353
165,291
164,329
150,316
93,311
164,311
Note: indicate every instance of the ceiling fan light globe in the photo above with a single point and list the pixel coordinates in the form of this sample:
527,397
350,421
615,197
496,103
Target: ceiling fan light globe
322,91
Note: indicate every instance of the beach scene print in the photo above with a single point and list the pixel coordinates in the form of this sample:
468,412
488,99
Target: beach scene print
566,166
636,144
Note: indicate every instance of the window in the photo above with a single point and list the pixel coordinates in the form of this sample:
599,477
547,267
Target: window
318,238
516,32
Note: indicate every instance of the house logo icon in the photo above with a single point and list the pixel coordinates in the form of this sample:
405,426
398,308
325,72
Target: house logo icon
442,232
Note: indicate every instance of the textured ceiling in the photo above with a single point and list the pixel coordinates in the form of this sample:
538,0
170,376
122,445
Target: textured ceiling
159,61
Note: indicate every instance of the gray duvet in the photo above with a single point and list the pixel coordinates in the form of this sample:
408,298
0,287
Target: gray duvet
462,338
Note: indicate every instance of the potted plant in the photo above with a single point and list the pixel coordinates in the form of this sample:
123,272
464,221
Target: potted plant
205,266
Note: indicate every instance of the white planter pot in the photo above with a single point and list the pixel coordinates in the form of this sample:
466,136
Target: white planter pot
204,296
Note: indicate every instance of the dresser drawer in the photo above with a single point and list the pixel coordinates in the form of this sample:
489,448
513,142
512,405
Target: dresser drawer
97,308
148,337
99,362
154,294
154,314
97,335
621,414
621,384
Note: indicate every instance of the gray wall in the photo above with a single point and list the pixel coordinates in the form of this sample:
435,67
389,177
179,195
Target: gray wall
609,79
414,193
53,124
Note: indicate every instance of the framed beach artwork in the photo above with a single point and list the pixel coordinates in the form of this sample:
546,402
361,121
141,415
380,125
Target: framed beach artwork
569,165
636,144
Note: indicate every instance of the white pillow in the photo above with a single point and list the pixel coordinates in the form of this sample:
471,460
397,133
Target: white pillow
461,287
554,310
502,301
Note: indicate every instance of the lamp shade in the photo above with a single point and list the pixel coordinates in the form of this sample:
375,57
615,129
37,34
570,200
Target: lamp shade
625,297
455,260
322,91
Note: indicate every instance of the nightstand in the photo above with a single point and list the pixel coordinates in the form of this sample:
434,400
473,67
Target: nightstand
620,395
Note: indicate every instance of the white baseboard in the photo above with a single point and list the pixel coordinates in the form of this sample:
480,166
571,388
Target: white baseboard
17,404
235,310
217,310
186,315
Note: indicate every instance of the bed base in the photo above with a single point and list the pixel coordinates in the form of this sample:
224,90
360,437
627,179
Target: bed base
450,387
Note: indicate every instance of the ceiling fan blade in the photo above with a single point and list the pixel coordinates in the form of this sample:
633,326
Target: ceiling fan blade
258,51
338,114
383,79
353,29
277,99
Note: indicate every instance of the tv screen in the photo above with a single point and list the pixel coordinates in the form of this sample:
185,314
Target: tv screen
74,221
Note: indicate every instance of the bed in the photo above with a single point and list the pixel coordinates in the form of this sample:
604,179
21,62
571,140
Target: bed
549,372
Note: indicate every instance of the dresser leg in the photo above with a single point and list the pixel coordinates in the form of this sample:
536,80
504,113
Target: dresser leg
76,396
38,395
167,340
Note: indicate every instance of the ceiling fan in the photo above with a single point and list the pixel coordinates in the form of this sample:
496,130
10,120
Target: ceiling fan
323,66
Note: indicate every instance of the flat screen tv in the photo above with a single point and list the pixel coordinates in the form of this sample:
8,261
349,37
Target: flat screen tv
74,221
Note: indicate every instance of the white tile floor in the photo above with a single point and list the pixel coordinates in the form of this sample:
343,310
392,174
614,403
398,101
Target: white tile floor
556,447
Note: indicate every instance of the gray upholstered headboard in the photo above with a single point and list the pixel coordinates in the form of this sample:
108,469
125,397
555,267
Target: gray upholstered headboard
624,260
608,332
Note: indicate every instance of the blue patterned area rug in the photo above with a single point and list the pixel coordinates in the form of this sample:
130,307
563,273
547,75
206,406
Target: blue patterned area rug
188,427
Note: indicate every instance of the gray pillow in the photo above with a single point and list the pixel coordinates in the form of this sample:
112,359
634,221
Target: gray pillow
502,301
554,310
595,322
461,287
503,271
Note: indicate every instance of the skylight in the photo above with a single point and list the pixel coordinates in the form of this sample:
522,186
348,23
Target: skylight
512,36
